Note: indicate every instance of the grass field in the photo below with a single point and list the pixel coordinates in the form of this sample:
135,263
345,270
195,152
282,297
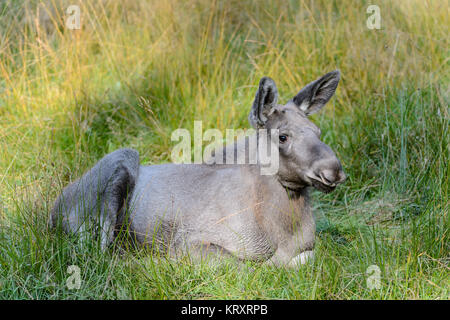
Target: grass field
137,70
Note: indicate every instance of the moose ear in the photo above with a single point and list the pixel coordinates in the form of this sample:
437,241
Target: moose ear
265,99
317,93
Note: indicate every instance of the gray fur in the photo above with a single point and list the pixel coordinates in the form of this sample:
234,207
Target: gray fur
215,208
96,199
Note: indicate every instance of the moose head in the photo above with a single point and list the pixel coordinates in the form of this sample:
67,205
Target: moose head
304,160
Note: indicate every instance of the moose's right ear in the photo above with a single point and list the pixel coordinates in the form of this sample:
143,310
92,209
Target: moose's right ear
266,98
317,93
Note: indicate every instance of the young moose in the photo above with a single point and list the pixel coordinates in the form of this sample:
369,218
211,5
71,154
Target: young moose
212,208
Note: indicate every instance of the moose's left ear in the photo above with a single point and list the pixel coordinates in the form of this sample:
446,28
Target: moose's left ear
317,93
265,99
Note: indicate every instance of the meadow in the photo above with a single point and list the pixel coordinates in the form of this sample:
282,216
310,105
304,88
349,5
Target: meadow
137,70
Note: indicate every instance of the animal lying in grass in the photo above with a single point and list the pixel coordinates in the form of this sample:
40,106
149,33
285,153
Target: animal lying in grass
219,209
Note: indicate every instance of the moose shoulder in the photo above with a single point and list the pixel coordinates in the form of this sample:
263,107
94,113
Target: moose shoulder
213,208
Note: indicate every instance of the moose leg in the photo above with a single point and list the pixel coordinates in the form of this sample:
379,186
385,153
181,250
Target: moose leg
280,258
115,196
287,254
98,196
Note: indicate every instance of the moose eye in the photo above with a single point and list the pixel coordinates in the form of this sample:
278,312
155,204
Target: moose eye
283,138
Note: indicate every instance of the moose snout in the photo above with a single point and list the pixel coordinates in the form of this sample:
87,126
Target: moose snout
326,169
332,177
328,172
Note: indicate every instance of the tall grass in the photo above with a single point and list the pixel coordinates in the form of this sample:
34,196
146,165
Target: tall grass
137,70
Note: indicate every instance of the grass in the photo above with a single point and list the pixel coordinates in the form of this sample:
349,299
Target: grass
137,70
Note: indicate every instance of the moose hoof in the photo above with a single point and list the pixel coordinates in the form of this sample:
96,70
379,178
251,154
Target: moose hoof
302,258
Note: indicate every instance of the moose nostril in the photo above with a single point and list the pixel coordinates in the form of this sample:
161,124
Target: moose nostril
327,177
